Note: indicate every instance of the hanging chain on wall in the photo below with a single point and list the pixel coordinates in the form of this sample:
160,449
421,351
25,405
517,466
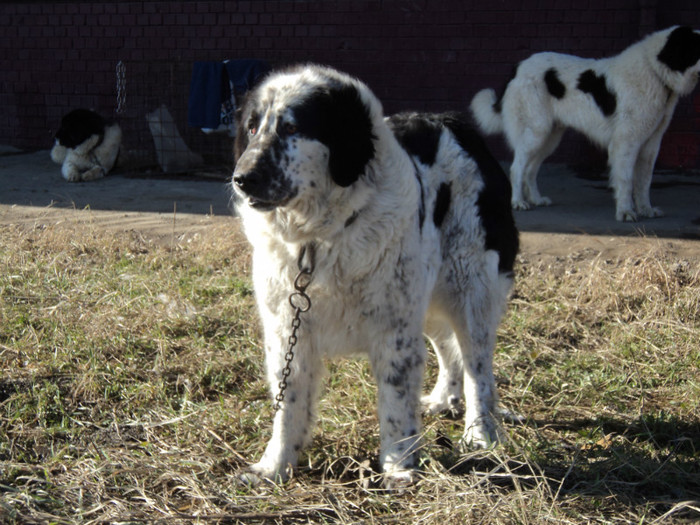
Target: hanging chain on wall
121,87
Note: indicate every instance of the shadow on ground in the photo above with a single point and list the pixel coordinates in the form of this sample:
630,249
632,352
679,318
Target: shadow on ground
582,203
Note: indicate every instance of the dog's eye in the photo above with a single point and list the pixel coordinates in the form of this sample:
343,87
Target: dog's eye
253,125
290,129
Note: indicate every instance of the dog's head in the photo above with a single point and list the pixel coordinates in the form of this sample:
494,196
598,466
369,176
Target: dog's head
300,132
681,55
78,126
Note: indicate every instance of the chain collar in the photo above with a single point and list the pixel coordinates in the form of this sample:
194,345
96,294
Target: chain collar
301,303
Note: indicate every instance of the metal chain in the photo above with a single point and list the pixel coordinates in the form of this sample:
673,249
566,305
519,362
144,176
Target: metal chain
121,87
301,304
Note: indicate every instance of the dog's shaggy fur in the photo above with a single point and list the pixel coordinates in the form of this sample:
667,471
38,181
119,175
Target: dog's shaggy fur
86,145
409,223
623,103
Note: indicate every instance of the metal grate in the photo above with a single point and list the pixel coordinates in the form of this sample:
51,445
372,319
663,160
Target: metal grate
158,91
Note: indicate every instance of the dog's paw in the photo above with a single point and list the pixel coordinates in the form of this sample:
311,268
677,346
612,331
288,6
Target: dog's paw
249,478
520,205
543,201
72,176
626,216
652,212
93,173
480,434
399,480
258,473
433,405
510,416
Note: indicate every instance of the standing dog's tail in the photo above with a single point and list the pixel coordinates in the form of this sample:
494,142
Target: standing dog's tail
486,109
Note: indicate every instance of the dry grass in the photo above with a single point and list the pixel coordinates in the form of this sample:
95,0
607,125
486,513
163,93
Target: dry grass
131,391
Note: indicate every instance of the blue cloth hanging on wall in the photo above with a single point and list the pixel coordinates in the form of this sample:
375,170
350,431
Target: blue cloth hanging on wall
215,84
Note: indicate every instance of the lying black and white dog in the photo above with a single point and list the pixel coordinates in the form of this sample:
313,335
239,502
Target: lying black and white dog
406,227
87,145
623,103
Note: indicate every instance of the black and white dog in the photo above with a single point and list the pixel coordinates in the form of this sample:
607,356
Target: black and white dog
87,145
623,103
406,226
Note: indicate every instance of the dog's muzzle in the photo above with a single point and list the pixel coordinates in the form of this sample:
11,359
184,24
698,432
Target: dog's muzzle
260,181
262,191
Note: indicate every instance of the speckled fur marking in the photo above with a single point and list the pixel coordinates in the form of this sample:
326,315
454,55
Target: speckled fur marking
317,163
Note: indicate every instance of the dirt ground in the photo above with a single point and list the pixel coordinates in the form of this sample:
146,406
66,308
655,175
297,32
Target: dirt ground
169,208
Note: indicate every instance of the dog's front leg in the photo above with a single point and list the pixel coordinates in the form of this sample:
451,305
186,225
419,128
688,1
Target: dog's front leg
644,169
399,373
293,421
622,157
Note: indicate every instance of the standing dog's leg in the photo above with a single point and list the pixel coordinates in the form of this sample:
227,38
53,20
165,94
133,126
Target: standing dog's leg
530,188
644,169
517,179
399,374
622,156
294,420
477,298
449,387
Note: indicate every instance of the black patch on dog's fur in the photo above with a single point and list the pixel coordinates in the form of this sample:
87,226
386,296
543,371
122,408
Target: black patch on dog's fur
78,126
494,199
682,49
554,85
595,85
442,204
338,118
417,135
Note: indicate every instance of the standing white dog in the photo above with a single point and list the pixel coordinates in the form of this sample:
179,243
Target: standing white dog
87,145
623,103
403,224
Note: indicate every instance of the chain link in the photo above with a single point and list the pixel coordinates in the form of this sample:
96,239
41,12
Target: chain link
121,87
301,304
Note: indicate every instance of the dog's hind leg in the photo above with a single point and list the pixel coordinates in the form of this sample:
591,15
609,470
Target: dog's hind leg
532,136
523,175
530,189
94,173
478,302
449,387
517,179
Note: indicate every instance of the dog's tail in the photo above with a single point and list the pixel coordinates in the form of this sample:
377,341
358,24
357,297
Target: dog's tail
486,109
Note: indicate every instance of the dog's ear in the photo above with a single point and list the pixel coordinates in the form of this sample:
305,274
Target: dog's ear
348,134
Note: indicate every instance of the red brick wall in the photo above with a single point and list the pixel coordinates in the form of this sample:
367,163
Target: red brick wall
418,54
